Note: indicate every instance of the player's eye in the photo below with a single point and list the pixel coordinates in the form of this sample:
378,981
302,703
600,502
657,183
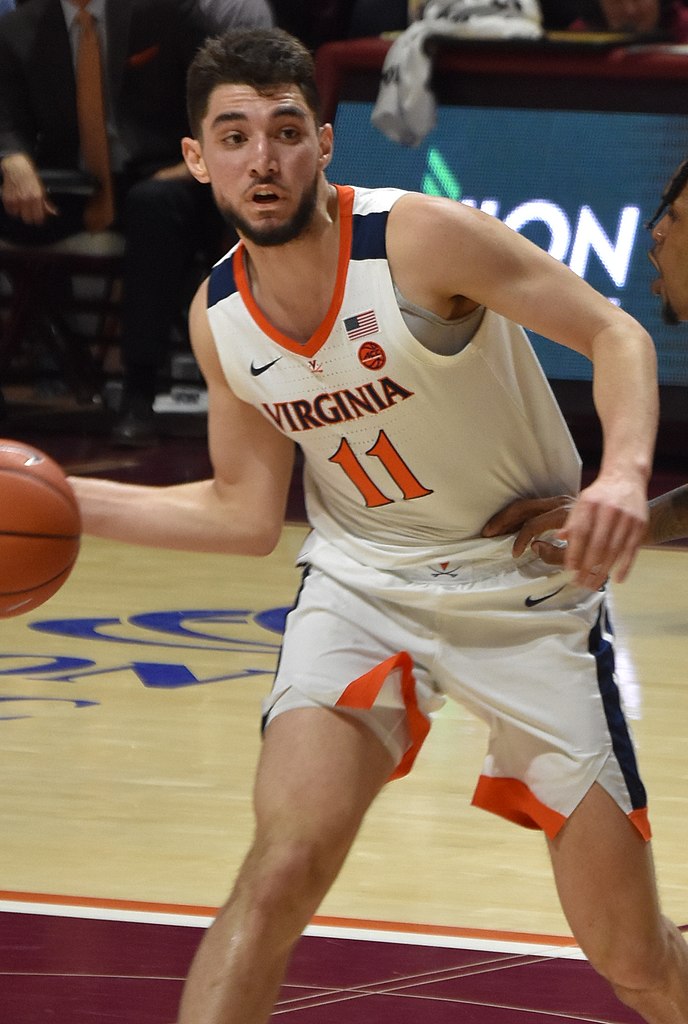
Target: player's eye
232,139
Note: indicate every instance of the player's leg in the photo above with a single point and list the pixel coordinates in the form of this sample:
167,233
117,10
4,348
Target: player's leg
605,879
319,770
556,726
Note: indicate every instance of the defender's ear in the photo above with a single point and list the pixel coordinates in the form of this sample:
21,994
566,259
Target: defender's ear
193,157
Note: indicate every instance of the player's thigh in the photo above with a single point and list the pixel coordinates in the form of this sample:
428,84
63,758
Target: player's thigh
605,878
364,656
319,770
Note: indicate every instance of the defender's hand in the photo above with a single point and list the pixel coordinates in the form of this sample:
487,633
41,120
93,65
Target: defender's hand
532,519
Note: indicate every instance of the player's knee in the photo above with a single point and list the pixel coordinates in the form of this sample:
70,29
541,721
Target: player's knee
636,965
299,871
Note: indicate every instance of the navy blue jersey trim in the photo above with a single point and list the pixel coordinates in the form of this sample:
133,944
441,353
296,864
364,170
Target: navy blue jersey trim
368,242
221,282
304,575
603,652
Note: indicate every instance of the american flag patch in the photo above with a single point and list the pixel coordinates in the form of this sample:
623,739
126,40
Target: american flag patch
361,324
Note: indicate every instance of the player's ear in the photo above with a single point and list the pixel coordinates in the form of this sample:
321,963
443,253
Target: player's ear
326,142
193,157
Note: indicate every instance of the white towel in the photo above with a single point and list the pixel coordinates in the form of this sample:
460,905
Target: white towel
405,108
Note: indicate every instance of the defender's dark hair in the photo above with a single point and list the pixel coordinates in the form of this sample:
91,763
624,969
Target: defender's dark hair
670,194
260,58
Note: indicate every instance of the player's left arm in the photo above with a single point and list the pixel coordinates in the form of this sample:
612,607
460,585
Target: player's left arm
466,253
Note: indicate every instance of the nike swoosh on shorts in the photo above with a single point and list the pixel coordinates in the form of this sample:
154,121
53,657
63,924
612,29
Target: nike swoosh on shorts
530,602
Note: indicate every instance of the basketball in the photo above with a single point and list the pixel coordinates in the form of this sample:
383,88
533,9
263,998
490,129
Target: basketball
40,528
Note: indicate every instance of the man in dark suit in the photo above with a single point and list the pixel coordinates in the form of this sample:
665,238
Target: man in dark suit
166,217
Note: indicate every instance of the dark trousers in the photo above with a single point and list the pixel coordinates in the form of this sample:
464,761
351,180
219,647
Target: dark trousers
173,235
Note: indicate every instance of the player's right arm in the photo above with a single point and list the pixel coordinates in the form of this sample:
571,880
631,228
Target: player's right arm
239,511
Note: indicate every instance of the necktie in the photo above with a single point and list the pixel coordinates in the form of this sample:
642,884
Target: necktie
90,103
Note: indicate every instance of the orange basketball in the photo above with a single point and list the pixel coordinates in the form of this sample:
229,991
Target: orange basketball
40,528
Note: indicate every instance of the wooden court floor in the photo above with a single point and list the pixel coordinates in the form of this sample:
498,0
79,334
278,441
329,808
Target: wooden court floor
129,714
129,709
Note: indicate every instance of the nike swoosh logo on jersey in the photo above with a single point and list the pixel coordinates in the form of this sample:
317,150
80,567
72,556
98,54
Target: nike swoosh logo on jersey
257,370
530,602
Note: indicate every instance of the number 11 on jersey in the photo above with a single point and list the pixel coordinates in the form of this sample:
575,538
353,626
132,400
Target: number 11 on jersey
384,450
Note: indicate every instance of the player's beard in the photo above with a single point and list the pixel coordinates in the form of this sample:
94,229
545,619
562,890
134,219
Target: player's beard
282,233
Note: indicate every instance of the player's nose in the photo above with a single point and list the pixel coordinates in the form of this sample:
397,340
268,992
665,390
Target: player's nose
263,158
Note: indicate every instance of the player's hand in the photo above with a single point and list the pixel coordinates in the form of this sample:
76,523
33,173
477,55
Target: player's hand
536,523
604,530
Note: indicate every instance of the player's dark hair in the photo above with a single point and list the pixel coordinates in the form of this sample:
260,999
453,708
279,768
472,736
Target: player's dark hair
260,58
670,194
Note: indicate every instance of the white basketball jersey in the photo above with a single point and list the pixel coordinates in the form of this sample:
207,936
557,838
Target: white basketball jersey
407,452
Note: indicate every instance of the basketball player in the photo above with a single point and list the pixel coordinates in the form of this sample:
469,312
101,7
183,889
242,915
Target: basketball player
532,518
378,330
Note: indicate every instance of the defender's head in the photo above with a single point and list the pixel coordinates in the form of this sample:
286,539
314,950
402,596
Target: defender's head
669,252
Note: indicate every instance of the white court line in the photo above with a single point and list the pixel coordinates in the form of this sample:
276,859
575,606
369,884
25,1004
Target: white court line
329,931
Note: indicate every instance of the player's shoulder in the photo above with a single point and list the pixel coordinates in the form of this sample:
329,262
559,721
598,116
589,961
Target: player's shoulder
375,200
221,282
419,219
419,205
201,335
198,310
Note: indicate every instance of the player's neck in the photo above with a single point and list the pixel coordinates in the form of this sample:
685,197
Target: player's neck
293,283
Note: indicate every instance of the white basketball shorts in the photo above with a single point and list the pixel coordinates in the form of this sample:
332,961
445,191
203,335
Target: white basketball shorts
529,654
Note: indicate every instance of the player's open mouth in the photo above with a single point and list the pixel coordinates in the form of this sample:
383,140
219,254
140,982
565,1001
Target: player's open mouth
264,196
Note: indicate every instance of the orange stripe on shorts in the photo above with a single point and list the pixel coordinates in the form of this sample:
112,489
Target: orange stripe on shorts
364,691
511,799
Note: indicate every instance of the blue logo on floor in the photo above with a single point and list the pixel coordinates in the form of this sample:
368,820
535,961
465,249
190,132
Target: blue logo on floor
223,630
